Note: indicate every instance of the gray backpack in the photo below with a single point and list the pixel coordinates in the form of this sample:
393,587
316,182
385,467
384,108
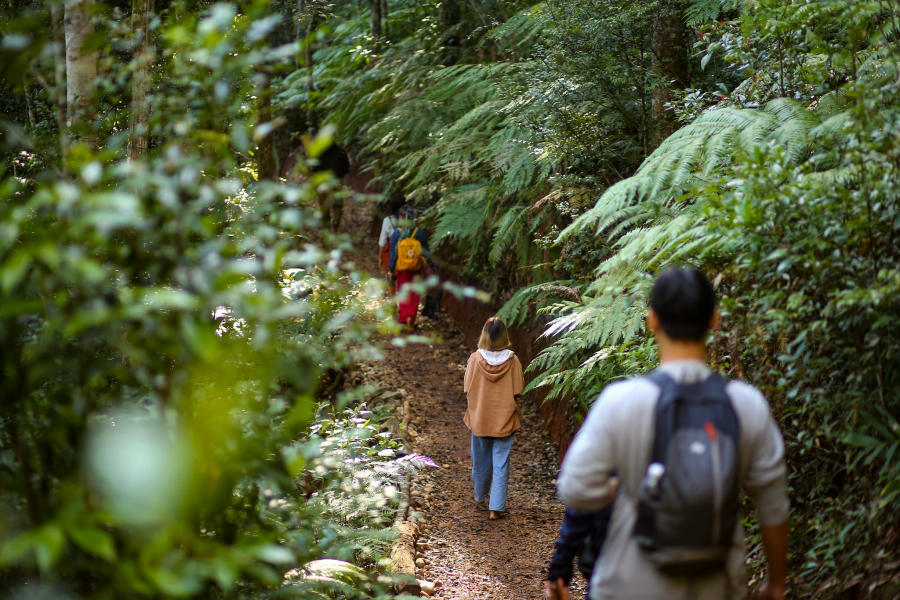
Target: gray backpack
688,502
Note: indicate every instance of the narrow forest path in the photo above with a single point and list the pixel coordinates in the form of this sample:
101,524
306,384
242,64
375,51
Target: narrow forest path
465,554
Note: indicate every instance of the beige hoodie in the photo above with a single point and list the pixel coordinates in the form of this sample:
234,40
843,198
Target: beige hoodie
491,392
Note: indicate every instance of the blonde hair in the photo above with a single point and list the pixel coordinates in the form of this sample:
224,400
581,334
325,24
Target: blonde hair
494,335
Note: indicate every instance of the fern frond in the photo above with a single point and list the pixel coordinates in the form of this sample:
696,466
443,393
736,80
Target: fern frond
528,299
462,215
702,149
522,29
324,578
509,227
698,12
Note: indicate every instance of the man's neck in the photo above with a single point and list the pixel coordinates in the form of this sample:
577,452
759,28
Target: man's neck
673,350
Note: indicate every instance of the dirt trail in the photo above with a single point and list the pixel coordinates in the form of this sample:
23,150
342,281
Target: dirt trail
465,554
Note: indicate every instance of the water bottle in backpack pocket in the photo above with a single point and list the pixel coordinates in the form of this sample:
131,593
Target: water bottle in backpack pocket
688,500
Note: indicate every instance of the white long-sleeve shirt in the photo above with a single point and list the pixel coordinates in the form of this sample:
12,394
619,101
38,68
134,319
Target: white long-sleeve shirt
617,435
387,228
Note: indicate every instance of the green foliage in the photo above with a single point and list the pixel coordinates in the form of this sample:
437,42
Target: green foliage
533,156
476,141
700,12
793,208
167,323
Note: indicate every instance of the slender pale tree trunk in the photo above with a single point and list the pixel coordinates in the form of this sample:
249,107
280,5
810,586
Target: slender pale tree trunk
265,164
58,18
670,64
139,131
81,71
308,58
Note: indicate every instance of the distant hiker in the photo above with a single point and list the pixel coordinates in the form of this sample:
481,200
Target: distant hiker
409,256
581,535
682,440
388,225
336,160
493,385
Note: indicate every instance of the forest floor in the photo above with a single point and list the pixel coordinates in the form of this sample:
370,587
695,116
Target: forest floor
464,554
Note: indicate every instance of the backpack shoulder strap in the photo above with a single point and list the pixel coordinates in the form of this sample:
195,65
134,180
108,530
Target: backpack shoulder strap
660,378
663,416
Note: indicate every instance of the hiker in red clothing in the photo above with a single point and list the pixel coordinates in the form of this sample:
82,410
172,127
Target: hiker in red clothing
409,257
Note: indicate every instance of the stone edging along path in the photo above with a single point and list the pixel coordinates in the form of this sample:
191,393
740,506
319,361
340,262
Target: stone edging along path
447,546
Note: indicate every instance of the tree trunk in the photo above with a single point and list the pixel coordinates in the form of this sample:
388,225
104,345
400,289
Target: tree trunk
375,8
449,17
81,72
308,58
139,131
670,64
58,18
265,166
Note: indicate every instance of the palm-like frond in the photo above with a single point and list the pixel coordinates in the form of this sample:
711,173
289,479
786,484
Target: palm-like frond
702,149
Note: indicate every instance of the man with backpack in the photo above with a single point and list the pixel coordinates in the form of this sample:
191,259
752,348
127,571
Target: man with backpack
682,441
409,256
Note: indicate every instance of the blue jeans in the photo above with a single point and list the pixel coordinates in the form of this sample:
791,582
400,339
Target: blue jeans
490,469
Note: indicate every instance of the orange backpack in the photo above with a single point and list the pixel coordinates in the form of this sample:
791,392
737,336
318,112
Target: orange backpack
409,253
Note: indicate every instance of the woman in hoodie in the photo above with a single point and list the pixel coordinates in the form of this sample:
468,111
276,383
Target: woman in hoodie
493,385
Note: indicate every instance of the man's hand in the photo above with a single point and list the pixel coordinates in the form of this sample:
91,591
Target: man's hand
613,490
770,591
556,590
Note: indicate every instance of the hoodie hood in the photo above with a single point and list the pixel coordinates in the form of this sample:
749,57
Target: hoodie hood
494,365
495,357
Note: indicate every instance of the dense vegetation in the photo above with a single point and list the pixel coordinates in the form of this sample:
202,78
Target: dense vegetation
166,298
170,318
567,150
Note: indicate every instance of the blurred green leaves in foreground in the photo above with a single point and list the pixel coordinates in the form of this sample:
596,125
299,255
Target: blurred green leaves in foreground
165,322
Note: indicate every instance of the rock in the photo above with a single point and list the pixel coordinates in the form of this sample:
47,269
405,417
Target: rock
428,588
420,563
402,557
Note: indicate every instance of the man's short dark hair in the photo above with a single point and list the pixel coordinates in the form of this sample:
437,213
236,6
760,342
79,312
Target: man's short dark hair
684,301
395,202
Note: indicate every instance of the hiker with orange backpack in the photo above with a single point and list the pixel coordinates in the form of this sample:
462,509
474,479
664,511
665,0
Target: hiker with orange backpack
409,257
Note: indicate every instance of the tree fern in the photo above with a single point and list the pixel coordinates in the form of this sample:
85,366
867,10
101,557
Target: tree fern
521,30
529,299
461,216
698,12
512,225
650,221
701,149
